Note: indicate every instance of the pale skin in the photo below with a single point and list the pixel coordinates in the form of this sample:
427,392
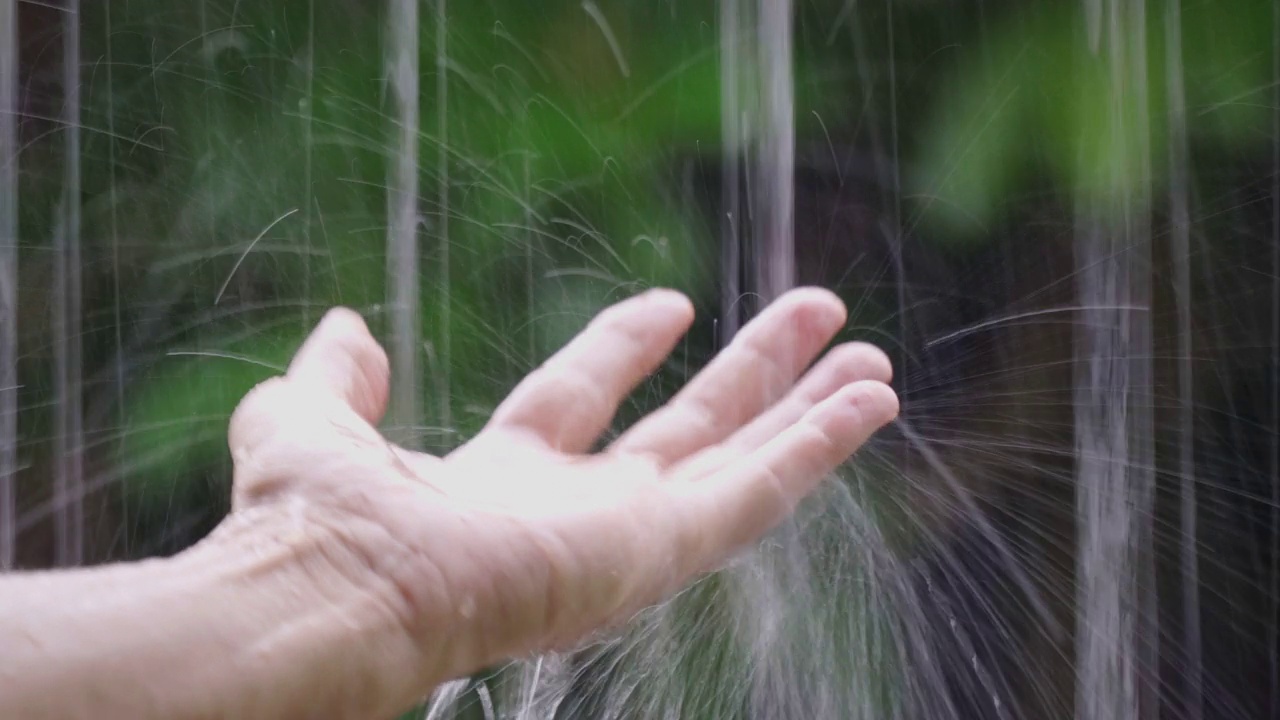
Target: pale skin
353,576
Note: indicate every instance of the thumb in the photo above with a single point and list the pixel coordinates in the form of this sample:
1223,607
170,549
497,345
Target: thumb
281,420
342,360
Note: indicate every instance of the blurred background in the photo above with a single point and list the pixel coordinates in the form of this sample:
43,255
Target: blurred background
1061,218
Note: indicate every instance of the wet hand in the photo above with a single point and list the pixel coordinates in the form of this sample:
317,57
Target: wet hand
522,541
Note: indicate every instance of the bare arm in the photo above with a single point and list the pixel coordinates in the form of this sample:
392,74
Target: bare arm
269,621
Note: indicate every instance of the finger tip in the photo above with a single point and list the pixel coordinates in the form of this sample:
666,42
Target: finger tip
858,409
673,301
820,307
881,366
860,361
346,330
875,400
343,320
343,353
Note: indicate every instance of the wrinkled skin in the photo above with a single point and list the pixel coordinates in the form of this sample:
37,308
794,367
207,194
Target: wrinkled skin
520,541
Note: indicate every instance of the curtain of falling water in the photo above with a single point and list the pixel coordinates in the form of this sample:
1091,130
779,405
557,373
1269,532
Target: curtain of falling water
8,279
402,221
69,434
1115,645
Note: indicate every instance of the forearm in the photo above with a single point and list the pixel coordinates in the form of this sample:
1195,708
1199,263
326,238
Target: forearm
261,623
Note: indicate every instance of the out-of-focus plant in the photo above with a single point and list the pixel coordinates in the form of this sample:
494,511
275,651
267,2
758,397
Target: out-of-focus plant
1055,97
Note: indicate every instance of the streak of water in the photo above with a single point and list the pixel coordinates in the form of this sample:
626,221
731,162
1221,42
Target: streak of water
443,396
69,438
885,159
404,413
1273,635
976,516
1180,240
308,149
117,298
732,142
757,123
763,584
773,205
8,280
1115,479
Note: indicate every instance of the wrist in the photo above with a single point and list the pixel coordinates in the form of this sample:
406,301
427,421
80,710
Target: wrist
269,617
324,632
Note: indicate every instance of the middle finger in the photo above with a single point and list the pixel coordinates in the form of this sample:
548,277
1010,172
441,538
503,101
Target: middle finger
757,368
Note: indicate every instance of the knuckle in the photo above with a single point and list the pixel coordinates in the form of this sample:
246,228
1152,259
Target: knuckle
700,417
578,393
777,360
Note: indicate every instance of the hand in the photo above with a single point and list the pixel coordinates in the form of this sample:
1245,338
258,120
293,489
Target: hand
520,541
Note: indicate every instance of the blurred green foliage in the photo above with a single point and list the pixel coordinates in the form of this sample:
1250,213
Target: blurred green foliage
1048,101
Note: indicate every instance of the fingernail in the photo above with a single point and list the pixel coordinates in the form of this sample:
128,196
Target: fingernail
666,296
877,401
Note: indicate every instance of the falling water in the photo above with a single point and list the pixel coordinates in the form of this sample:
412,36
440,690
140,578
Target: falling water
732,142
758,144
1273,627
764,594
1180,247
405,413
308,148
443,396
69,446
8,280
773,206
1114,436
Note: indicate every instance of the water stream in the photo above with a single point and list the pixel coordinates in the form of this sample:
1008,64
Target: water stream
403,266
1114,433
66,325
8,281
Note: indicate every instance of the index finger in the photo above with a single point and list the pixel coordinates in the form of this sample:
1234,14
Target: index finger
569,401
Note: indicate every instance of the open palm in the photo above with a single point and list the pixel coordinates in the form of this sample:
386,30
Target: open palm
522,540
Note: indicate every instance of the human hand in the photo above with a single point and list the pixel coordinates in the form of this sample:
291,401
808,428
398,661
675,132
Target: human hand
520,541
